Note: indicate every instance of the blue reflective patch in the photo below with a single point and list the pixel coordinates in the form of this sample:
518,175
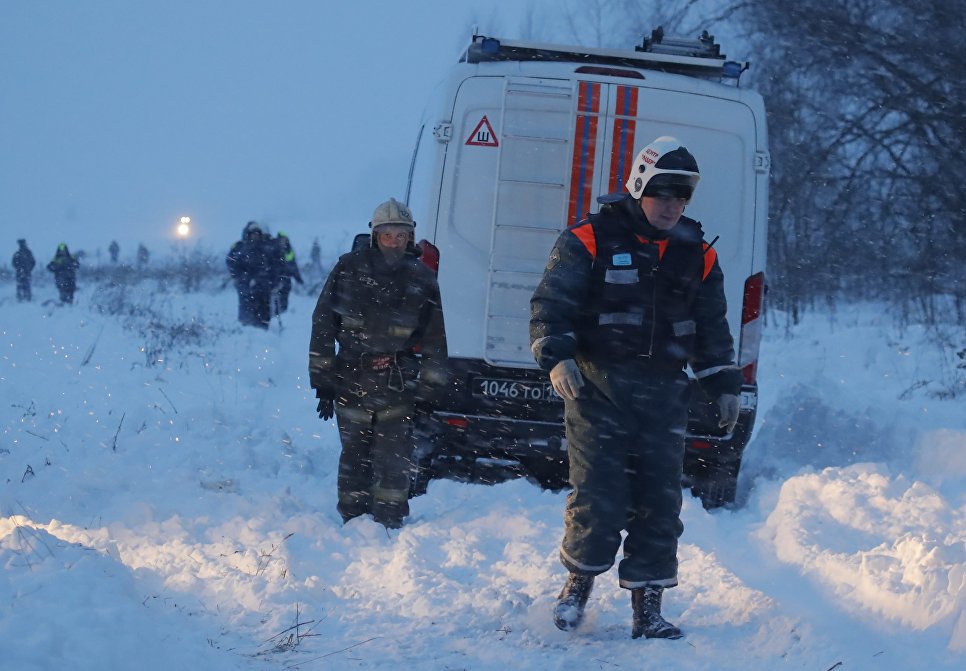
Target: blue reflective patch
621,260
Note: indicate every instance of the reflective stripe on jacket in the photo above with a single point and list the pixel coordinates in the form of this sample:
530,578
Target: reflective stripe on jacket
610,292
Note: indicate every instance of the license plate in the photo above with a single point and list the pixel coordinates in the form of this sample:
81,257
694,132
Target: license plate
514,389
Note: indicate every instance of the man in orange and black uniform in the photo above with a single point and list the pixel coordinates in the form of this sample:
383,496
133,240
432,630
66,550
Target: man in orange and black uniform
630,296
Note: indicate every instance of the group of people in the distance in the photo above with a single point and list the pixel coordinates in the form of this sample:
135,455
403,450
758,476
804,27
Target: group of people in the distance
64,267
262,266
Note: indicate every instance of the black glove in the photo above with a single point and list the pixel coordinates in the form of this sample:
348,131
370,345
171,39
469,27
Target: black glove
728,404
326,408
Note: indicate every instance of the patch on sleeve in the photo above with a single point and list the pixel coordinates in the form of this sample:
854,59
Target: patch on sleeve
554,259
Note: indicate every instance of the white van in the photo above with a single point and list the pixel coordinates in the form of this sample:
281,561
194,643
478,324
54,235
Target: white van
519,142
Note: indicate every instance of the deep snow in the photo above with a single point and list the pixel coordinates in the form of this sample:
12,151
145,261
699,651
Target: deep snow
182,514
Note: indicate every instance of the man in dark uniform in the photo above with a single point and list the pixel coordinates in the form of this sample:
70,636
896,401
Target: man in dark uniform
630,296
382,306
64,267
254,267
23,265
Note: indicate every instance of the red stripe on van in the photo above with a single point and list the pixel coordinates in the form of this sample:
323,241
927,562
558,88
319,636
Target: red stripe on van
622,146
751,326
585,150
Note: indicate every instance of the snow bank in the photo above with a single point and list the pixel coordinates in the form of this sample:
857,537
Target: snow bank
168,501
880,543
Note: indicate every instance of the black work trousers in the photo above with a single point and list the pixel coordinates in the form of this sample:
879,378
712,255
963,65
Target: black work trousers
254,304
376,464
66,291
625,442
23,290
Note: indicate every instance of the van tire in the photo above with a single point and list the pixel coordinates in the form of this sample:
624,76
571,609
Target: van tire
422,474
717,486
424,464
549,473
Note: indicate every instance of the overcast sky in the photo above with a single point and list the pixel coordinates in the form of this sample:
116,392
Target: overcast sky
117,117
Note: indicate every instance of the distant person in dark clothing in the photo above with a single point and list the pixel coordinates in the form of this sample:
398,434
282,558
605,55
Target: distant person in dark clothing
253,264
23,264
64,267
143,256
289,271
114,249
315,256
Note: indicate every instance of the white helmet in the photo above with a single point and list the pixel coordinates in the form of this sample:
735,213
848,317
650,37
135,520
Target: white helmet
663,168
392,212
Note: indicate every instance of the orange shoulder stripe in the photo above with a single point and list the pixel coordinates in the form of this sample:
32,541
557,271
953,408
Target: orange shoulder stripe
585,233
710,256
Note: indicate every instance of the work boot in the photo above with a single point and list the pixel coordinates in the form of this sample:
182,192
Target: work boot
646,602
569,609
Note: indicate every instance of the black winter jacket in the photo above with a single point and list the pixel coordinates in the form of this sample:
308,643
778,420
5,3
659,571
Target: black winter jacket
371,308
616,288
23,263
254,262
64,267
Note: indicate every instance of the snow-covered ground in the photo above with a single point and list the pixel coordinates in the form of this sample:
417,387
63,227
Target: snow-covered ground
167,501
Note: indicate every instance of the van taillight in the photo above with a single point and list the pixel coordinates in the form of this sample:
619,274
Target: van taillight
430,255
458,422
751,323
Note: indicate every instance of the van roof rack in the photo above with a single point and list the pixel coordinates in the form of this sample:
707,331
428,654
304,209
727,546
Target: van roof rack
697,57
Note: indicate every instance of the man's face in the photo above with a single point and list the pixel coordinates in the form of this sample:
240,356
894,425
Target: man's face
392,237
663,212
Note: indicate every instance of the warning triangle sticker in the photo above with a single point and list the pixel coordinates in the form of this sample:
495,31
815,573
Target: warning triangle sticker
483,135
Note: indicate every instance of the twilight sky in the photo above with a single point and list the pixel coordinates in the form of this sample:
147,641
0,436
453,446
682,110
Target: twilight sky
117,117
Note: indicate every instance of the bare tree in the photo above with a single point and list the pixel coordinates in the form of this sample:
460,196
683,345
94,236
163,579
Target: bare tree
867,117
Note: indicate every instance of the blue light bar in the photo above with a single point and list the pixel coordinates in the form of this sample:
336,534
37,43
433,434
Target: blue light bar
490,45
732,69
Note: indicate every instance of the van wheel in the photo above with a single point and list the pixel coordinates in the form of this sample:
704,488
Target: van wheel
422,473
549,473
424,469
716,487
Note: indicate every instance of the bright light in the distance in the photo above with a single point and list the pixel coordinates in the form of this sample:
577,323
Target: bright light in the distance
184,227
